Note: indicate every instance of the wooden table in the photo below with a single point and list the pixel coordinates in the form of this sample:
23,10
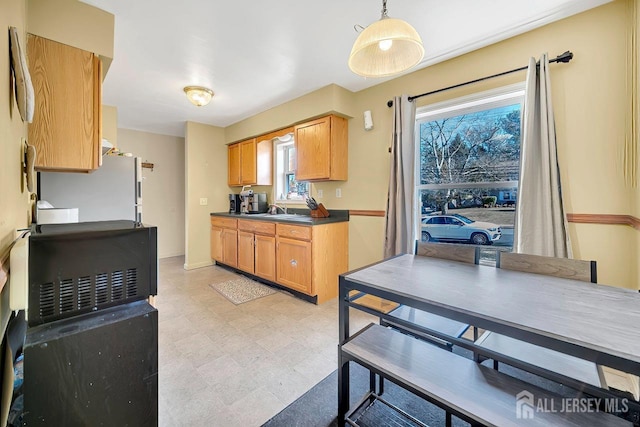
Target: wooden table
594,322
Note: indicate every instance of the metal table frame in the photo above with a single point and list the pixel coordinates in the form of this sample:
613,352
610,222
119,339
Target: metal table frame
348,284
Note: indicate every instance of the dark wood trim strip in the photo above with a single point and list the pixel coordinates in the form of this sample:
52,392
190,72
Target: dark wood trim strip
609,219
367,213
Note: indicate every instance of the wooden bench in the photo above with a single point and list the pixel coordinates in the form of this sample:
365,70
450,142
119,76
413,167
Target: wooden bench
470,391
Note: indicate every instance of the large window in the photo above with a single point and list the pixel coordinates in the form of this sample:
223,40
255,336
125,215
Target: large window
287,187
468,168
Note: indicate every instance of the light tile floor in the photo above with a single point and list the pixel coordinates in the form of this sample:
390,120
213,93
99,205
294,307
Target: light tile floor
229,365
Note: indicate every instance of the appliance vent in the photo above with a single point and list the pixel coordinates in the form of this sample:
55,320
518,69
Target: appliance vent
132,282
102,280
84,292
116,285
47,307
63,298
66,295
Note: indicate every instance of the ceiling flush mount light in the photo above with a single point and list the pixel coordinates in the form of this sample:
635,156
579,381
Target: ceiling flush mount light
198,95
386,47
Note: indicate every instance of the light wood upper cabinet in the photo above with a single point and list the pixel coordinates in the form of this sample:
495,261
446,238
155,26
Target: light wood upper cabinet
234,165
67,122
321,149
250,162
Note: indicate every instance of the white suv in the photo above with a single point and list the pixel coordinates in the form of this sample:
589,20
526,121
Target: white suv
458,228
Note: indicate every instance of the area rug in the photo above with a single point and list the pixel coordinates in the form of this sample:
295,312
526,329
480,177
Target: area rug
242,290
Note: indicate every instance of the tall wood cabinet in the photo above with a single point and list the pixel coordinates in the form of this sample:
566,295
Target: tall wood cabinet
250,162
321,149
66,127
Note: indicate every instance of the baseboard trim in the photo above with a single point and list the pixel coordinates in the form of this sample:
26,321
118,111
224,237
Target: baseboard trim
608,219
197,265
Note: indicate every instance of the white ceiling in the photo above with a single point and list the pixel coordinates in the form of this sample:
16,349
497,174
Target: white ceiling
258,54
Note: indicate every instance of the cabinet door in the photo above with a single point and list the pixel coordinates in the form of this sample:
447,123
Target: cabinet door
233,160
313,150
67,121
245,251
230,247
248,159
216,243
294,264
265,262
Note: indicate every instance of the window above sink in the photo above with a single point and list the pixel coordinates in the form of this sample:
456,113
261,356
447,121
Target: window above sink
287,188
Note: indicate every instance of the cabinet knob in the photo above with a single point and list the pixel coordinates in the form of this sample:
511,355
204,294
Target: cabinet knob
294,263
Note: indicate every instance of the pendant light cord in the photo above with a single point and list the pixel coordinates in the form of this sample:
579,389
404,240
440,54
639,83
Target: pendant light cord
384,9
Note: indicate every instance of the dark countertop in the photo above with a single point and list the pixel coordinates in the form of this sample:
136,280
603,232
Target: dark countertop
302,217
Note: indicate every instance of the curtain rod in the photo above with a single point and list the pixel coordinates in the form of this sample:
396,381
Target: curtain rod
564,57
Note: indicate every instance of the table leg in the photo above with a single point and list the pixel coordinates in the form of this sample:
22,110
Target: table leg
343,363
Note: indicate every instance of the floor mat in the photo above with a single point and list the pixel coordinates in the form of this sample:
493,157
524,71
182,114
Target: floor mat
242,290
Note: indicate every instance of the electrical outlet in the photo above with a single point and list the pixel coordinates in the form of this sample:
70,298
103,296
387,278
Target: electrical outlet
204,201
338,192
320,194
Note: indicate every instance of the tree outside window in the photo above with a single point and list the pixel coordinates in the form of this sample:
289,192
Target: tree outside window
468,166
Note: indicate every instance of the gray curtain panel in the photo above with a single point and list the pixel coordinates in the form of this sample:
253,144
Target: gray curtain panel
400,220
540,226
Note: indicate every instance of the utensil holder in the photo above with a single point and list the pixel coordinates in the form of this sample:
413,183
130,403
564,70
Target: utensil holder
321,212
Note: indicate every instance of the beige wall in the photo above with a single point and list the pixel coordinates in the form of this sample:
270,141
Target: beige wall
328,99
163,187
74,23
14,198
205,177
588,96
110,124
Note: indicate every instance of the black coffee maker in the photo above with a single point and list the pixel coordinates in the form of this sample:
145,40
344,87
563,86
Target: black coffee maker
234,203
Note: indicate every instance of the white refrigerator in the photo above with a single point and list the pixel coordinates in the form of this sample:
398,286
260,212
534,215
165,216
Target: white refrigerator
112,192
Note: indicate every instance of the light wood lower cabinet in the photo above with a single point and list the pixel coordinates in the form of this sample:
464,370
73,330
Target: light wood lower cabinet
265,257
309,259
246,252
305,258
294,264
257,248
224,241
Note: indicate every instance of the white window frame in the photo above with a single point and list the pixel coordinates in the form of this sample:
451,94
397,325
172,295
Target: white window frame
494,98
281,169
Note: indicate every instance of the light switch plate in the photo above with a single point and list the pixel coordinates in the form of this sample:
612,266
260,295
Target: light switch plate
204,201
338,192
320,194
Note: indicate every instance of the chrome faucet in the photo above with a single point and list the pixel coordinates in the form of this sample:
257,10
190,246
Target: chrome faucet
274,209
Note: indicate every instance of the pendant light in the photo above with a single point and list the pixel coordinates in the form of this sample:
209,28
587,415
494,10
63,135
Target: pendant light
386,47
198,95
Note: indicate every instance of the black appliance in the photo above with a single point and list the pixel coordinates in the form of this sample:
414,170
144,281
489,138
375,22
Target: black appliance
82,267
96,369
234,203
91,349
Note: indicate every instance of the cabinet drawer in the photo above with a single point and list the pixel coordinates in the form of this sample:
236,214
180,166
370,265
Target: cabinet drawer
294,231
217,221
258,227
